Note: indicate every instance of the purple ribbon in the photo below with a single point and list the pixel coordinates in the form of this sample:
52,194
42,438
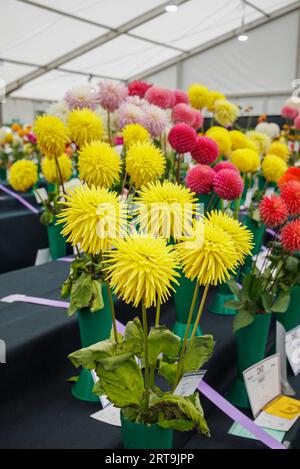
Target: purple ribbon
20,199
203,387
272,233
238,416
66,259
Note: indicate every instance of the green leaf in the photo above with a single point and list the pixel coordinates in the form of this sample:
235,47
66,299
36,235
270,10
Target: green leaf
123,386
134,337
233,304
243,319
98,302
66,289
198,351
179,424
162,340
282,302
168,371
266,299
88,357
292,264
234,288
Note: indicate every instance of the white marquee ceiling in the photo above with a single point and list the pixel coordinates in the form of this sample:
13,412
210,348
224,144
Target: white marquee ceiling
61,42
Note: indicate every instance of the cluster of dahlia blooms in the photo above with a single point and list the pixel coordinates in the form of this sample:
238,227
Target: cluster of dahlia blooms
291,111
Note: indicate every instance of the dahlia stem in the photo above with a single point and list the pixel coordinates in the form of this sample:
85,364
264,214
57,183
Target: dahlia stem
146,356
200,311
157,318
124,183
60,175
179,168
186,335
112,311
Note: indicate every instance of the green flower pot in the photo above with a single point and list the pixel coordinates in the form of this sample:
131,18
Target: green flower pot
223,295
258,235
3,174
251,348
94,327
291,318
57,243
140,436
182,300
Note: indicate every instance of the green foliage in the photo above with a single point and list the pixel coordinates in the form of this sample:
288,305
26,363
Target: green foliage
84,285
51,208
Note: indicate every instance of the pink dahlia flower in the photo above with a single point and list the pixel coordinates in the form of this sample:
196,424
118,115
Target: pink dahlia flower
180,97
112,94
138,88
289,112
161,97
183,113
155,120
82,96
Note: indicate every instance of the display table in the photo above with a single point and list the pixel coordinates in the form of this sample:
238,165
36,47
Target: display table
36,405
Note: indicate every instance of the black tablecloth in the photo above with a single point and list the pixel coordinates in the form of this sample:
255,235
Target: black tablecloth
36,406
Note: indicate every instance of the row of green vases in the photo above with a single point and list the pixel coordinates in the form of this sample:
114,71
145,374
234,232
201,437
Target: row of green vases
57,243
3,174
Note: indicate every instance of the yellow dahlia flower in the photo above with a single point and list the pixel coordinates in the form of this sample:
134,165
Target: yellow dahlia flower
247,161
213,96
166,209
198,95
226,113
281,150
251,145
142,269
134,133
240,235
50,170
238,139
84,126
222,138
93,218
51,135
261,141
273,168
23,175
210,256
144,163
99,164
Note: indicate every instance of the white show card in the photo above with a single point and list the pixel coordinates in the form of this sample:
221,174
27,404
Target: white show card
40,195
274,422
293,349
70,185
237,430
281,350
110,415
189,383
263,382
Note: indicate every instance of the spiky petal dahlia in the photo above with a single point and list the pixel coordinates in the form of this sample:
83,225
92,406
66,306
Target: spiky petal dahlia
210,255
222,138
134,133
281,150
144,163
166,209
23,175
180,97
93,218
290,193
99,164
198,96
50,170
84,126
247,161
161,97
292,174
51,135
129,113
182,138
155,120
225,112
142,269
200,179
240,235
138,88
82,96
206,151
111,94
228,184
225,165
273,210
290,236
273,168
183,113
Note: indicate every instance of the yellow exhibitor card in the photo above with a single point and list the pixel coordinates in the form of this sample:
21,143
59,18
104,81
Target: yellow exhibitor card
284,407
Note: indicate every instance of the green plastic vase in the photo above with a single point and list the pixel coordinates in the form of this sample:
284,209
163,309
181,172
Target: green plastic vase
141,436
182,300
57,243
223,295
258,235
3,174
251,349
291,318
94,327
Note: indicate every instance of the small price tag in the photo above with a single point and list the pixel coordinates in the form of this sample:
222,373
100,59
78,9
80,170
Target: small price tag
189,383
70,185
40,195
110,415
292,343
